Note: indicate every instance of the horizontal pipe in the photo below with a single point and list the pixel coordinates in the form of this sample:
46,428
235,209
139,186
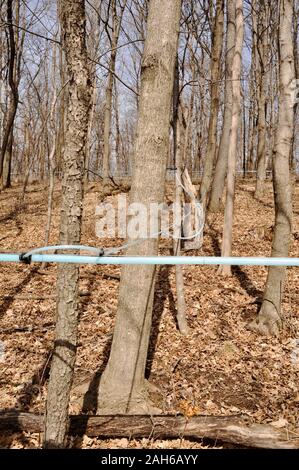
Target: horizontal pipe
157,260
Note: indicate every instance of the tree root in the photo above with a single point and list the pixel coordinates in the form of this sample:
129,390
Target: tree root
268,322
146,400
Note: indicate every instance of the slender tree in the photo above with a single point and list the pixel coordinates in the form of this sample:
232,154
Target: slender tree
262,45
232,148
64,354
217,43
252,120
221,165
179,165
113,40
15,48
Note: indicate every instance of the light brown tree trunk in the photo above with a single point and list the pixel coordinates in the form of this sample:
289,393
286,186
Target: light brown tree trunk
63,100
262,131
217,43
253,92
52,167
187,154
178,199
221,165
232,149
122,386
270,315
61,376
294,153
116,23
118,140
90,126
193,217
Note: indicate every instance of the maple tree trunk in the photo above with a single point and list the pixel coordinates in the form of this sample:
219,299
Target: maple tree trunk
6,181
252,127
52,159
232,149
178,199
116,23
90,126
61,375
221,165
261,147
215,77
6,147
107,120
122,386
270,315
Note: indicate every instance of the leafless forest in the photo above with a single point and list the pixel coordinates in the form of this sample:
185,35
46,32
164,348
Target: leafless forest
137,129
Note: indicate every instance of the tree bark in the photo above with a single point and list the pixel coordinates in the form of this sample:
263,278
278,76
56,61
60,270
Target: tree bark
221,165
116,23
270,315
232,149
122,386
61,376
262,44
6,180
215,77
90,126
6,148
252,127
177,230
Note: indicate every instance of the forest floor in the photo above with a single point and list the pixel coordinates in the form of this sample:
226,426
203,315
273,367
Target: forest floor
221,368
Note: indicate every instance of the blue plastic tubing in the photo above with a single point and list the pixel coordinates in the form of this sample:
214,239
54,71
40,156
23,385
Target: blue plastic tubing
156,260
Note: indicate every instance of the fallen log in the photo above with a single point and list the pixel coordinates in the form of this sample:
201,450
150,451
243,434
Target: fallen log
231,429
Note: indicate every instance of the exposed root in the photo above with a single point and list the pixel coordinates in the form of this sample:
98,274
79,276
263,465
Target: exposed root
268,321
145,401
224,270
137,406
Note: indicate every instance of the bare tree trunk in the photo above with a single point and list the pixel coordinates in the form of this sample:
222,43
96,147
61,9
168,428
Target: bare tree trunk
61,376
252,130
293,159
116,23
6,148
221,165
215,77
89,132
261,148
6,181
270,315
63,100
232,149
120,164
177,231
52,164
253,103
122,387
